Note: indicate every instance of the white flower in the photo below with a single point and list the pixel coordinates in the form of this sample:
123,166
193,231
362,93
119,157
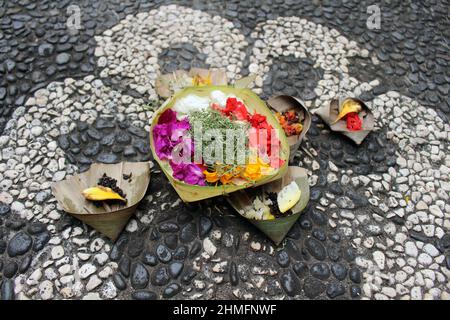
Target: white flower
191,103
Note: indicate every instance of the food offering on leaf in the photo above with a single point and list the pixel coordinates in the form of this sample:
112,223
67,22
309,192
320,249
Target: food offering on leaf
105,191
349,112
105,196
291,121
293,117
217,137
349,116
274,207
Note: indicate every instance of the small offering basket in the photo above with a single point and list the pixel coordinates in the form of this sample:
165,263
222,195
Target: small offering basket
284,103
330,113
190,193
276,229
107,219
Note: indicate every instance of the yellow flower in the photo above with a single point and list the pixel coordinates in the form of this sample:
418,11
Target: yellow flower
211,177
226,178
254,171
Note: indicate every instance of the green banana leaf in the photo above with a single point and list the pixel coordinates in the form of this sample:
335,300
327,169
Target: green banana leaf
108,220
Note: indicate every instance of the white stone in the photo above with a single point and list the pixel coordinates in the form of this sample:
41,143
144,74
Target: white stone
425,259
93,283
34,278
431,250
411,249
46,290
86,270
416,293
57,252
209,247
380,259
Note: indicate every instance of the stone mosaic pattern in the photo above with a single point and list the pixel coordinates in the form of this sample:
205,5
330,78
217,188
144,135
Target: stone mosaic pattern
377,225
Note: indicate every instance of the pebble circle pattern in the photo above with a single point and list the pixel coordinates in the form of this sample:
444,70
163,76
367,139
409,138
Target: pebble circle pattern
377,225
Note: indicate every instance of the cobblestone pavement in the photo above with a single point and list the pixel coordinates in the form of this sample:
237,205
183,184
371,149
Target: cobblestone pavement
377,225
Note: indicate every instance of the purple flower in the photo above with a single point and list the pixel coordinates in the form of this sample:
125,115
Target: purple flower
168,133
190,173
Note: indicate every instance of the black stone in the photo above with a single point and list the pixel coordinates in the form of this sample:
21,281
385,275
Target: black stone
204,227
447,261
320,270
315,248
168,227
300,268
144,295
335,289
119,282
15,224
295,232
108,158
334,252
92,149
335,188
135,247
335,238
171,241
142,147
355,292
149,259
293,250
180,253
129,151
94,134
283,258
36,228
315,194
2,93
4,209
188,275
188,233
160,277
319,234
116,253
7,290
139,276
45,49
163,254
290,283
10,269
445,241
418,236
2,246
305,223
19,244
318,217
125,266
25,264
313,287
108,140
339,270
175,269
171,290
355,275
137,132
349,254
123,138
41,240
234,278
63,58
